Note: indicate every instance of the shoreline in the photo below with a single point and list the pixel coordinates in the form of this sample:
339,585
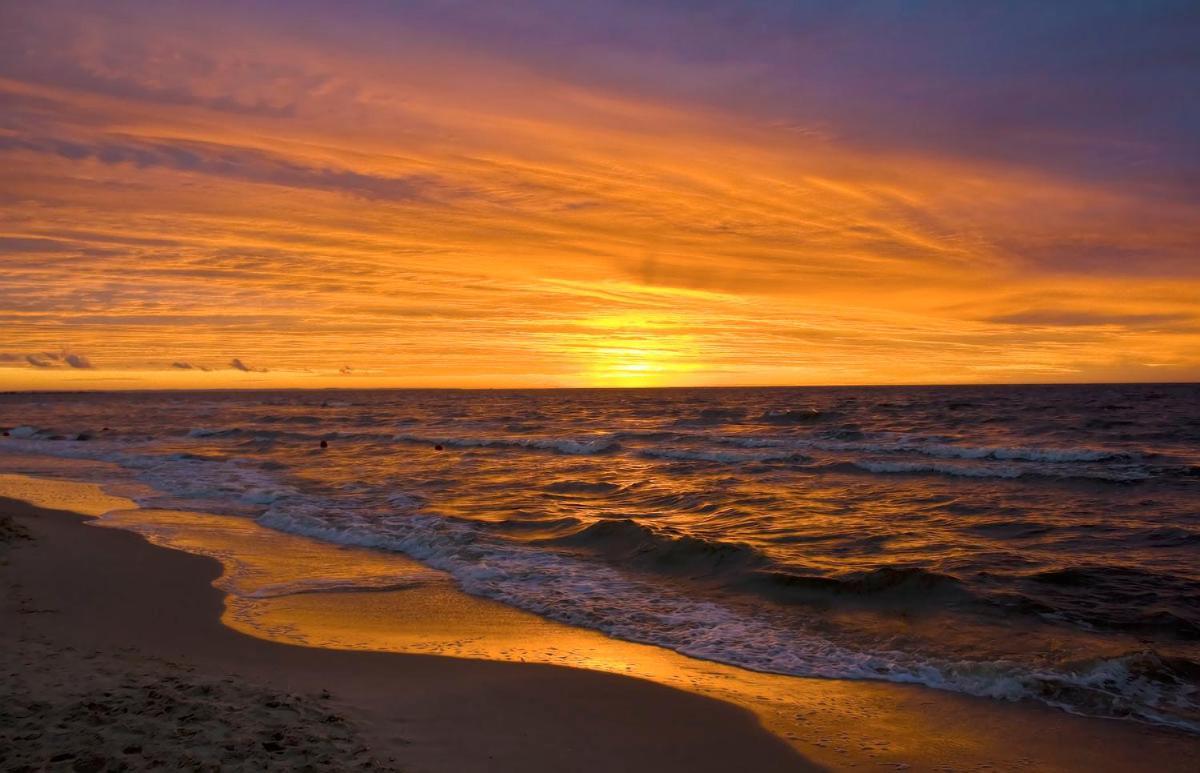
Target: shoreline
111,590
813,723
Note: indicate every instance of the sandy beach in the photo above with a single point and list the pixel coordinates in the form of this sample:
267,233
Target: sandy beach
114,655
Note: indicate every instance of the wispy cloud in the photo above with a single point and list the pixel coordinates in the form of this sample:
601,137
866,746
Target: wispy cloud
239,163
1069,318
786,193
45,360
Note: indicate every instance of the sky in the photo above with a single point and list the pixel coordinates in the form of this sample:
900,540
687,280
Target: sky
614,193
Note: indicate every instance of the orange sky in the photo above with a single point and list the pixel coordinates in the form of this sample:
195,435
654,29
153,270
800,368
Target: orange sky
183,194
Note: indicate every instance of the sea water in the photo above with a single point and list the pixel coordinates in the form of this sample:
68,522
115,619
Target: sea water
1012,542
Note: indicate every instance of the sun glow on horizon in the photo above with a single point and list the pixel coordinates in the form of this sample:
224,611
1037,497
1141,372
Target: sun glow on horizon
193,203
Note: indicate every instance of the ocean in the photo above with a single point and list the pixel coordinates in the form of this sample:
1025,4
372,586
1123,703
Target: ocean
1016,542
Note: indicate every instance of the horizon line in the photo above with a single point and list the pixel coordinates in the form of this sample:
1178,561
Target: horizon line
603,388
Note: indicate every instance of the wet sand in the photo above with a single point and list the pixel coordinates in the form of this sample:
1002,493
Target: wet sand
100,618
468,711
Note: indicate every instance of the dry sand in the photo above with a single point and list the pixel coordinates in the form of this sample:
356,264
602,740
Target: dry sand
114,656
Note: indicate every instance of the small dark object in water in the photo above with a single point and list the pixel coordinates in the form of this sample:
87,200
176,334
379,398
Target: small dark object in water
438,447
84,436
324,444
5,433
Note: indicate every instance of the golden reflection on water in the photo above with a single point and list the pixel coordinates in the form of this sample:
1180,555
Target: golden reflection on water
417,610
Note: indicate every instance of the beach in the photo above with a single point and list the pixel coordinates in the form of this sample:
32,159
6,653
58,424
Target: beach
104,619
116,655
623,386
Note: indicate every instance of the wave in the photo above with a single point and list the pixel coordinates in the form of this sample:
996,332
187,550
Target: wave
1142,686
298,419
997,471
720,457
583,488
208,432
253,435
582,446
884,583
1131,599
792,416
941,450
220,484
1001,453
712,417
639,546
941,469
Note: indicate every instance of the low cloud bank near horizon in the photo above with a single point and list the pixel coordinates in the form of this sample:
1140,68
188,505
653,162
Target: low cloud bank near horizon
48,360
237,364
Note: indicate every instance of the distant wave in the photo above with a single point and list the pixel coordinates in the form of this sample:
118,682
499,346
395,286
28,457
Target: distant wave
712,417
719,456
582,488
1052,455
941,450
943,469
792,416
581,446
997,471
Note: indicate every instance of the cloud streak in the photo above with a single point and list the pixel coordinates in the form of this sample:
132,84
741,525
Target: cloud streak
522,194
239,163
